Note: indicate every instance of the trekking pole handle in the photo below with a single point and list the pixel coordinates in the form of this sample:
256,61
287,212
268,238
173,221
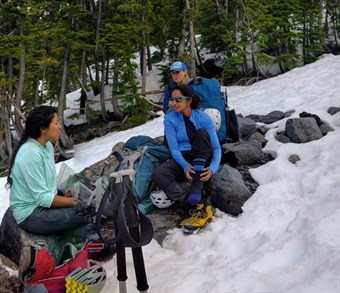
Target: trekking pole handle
117,176
128,172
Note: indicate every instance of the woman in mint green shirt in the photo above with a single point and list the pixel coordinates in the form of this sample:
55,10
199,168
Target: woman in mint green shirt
37,207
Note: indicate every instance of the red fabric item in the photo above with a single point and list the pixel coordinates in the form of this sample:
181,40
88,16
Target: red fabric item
52,277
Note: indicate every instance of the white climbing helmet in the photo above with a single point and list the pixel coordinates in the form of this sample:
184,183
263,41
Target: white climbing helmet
160,200
95,278
215,116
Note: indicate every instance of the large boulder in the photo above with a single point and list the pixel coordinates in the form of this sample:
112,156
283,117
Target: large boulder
228,191
247,127
301,130
14,241
246,152
9,281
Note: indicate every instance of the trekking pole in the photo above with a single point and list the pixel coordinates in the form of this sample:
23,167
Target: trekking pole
120,249
121,264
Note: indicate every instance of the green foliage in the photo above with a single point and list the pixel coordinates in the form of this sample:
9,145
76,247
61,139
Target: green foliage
92,114
74,116
290,33
136,108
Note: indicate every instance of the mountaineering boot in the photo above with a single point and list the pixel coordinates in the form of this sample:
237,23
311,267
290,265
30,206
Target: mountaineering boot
202,215
192,213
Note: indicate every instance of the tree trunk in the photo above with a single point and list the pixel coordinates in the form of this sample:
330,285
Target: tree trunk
18,123
96,49
226,6
64,138
143,65
83,80
192,45
36,93
143,56
102,90
181,45
149,58
118,114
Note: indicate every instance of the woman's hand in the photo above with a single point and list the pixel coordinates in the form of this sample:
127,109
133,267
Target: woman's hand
68,193
206,174
189,171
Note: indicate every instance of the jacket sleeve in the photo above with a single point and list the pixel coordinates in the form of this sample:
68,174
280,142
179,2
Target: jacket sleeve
171,136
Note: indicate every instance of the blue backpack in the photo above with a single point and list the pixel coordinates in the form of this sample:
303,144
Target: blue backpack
211,96
142,154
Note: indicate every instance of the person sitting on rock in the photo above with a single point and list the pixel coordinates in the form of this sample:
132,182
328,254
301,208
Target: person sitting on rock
195,151
37,207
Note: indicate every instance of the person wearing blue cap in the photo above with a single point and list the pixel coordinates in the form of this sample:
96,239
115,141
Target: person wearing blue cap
179,74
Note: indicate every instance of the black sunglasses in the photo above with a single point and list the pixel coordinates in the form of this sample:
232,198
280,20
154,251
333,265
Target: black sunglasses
179,99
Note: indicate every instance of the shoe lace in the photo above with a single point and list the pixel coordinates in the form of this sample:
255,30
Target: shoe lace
199,214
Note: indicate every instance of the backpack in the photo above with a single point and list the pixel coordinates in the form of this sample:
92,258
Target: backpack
211,96
50,273
142,154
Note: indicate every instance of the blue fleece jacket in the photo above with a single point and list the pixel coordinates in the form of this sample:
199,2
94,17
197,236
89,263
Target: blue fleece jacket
178,140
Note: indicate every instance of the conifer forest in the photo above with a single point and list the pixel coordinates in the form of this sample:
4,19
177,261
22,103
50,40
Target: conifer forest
49,48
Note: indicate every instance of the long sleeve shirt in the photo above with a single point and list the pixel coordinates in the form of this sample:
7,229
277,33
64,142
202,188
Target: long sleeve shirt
34,179
178,140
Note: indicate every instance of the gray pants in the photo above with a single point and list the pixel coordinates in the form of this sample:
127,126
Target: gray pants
168,175
55,220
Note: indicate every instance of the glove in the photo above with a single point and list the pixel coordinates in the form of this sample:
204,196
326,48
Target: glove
84,209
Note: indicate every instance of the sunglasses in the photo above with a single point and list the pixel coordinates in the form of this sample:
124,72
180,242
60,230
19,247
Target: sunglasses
179,99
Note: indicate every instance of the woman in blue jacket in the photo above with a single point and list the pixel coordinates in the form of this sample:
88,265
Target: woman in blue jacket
37,207
194,147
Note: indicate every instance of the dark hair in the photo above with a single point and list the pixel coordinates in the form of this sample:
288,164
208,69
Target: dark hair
38,119
188,92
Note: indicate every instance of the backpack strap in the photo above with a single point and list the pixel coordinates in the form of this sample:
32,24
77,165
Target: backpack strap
130,219
112,206
125,212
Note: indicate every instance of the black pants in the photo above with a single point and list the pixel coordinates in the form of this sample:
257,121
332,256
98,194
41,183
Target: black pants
168,175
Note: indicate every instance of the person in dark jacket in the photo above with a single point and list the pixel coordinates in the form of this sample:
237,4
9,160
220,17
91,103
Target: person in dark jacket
194,147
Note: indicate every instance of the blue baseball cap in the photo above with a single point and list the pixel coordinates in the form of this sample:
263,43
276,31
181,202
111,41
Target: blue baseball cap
178,66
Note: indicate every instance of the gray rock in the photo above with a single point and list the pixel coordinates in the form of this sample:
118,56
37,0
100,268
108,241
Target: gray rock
333,110
258,137
293,158
9,282
316,117
228,191
19,239
301,130
325,128
247,127
282,138
162,222
255,117
272,117
246,152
